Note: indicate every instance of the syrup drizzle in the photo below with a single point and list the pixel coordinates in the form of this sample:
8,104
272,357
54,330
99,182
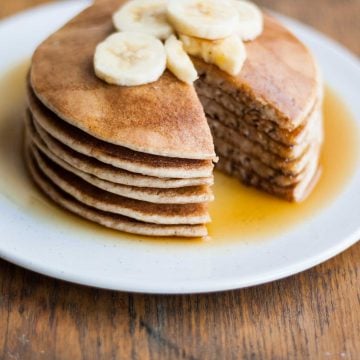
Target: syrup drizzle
239,213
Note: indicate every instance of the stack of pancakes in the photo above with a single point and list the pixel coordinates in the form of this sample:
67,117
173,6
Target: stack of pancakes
140,159
113,185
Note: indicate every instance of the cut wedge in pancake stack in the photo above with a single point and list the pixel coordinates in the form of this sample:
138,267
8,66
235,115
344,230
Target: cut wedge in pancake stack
267,122
140,158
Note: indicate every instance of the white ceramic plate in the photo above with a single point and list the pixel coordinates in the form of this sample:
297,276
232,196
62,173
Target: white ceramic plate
55,244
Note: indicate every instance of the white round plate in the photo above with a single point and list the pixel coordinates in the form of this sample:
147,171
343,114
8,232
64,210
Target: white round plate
51,243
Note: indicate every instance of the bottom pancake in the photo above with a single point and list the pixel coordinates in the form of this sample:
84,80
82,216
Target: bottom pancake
110,220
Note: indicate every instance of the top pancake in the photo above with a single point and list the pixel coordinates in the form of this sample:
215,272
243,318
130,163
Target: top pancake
163,118
280,76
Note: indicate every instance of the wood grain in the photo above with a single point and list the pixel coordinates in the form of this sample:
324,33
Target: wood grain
314,315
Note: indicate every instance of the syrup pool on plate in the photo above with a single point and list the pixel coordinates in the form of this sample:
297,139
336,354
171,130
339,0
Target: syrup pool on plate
239,213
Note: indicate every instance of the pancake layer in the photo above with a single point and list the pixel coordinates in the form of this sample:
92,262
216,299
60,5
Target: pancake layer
107,219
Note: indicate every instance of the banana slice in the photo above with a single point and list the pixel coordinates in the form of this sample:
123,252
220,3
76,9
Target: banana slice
206,19
130,59
178,61
144,16
228,54
251,21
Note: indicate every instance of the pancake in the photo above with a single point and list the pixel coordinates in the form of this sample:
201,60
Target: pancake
110,220
163,118
169,214
257,129
114,155
265,152
187,195
104,171
280,80
294,193
254,165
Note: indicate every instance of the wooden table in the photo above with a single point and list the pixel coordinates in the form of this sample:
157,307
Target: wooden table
312,315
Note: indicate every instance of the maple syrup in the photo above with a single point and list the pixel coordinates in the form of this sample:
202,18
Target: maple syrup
239,213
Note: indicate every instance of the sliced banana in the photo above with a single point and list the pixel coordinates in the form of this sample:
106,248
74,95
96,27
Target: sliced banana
251,22
206,19
144,16
178,61
228,54
130,59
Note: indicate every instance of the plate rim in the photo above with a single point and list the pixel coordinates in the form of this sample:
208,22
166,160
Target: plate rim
207,285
